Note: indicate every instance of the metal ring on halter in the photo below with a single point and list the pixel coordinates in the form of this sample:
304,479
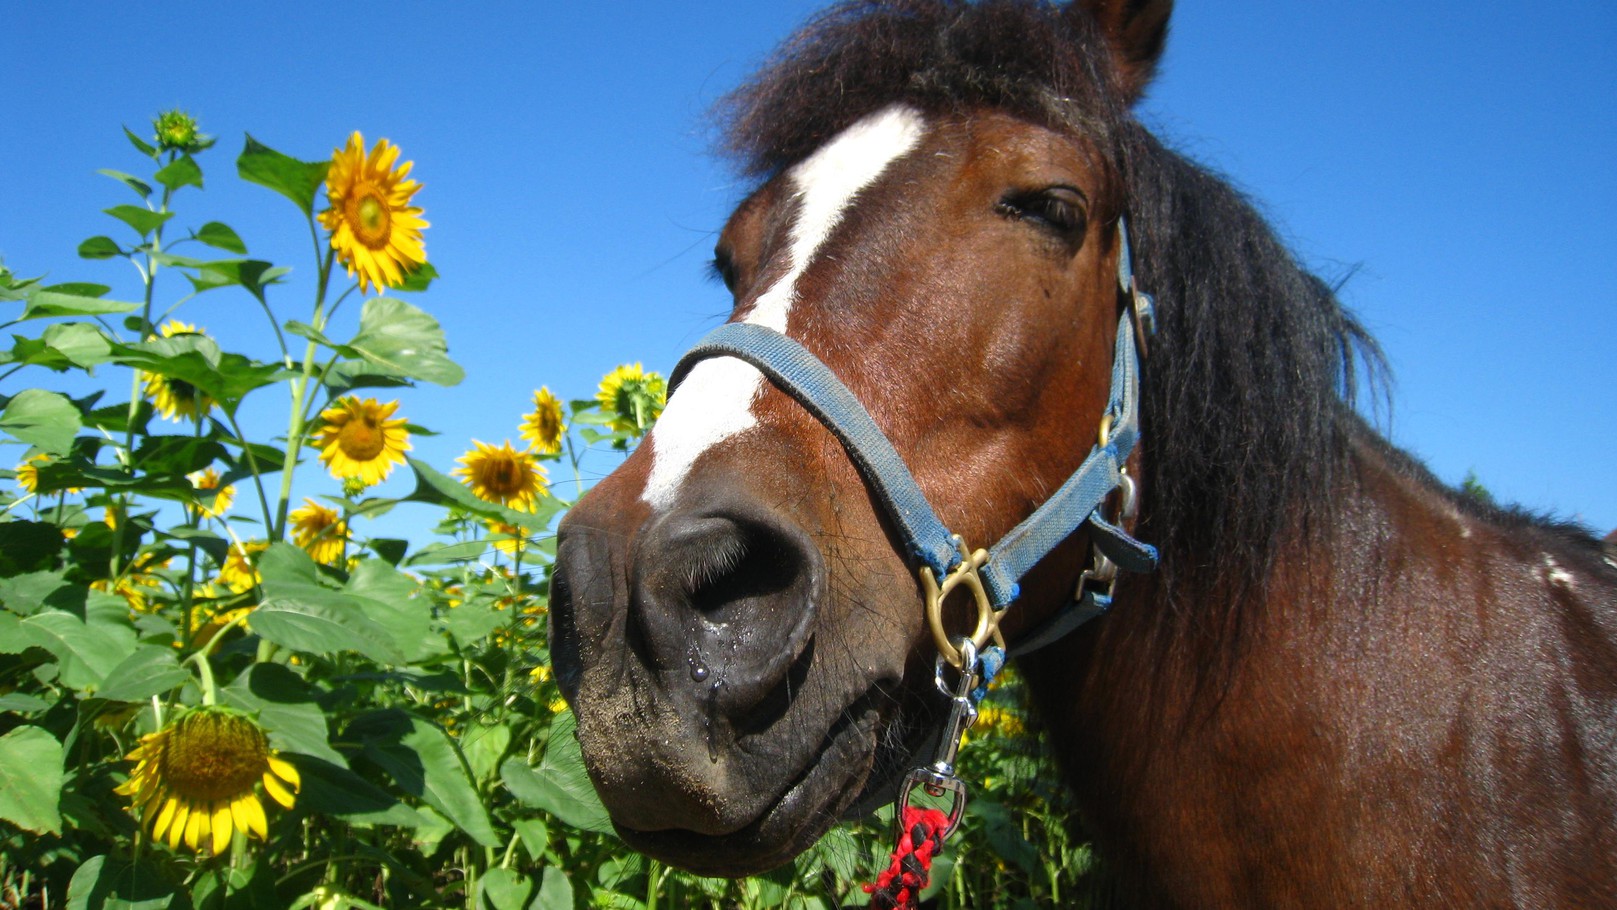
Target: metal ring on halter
968,572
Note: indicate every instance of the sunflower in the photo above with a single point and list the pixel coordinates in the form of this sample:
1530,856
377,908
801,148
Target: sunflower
28,472
544,427
320,531
135,588
508,539
239,573
360,439
194,780
206,481
632,397
176,399
374,228
502,475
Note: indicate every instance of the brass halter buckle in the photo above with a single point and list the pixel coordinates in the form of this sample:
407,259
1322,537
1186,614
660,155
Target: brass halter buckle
967,572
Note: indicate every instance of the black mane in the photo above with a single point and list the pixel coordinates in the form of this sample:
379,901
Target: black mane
1245,332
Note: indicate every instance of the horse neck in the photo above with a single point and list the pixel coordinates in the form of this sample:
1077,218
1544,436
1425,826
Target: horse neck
1205,739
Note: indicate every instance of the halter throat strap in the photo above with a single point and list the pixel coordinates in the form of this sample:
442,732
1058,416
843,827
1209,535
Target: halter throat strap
794,370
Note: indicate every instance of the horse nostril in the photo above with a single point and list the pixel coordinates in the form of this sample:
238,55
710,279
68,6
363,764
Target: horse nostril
729,593
720,565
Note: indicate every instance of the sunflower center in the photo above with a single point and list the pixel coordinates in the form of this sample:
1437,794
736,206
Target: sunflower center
504,477
369,215
211,755
361,438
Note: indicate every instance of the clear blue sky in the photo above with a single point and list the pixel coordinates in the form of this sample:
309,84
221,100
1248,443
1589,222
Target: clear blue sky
1459,159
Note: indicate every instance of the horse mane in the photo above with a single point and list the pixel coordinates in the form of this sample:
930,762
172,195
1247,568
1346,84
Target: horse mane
1245,332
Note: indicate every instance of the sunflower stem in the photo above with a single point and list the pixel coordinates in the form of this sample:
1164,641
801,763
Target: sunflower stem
149,280
300,390
210,689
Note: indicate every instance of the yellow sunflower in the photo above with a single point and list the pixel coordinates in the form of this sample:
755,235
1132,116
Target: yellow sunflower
320,531
374,228
176,399
544,427
508,539
28,472
632,397
207,481
502,475
195,779
361,439
135,588
239,573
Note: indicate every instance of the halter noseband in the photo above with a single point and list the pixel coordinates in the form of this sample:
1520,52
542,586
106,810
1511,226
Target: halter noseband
945,561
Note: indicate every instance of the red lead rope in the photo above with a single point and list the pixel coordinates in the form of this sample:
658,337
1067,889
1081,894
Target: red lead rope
919,842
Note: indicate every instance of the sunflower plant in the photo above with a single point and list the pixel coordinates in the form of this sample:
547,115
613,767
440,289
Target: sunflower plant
219,685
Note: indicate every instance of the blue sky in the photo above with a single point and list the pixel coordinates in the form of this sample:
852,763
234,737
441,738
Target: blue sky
1457,159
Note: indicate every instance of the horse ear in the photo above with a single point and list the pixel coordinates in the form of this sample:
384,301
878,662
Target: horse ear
1136,30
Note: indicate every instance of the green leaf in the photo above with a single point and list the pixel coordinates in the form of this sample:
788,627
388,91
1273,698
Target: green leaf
27,593
504,889
310,333
81,344
86,652
18,702
555,891
294,179
220,236
400,339
426,763
484,746
27,548
330,789
252,274
142,219
146,148
474,619
286,706
182,171
559,786
141,187
31,780
40,418
100,247
107,883
176,455
151,670
197,360
418,278
301,614
393,601
44,303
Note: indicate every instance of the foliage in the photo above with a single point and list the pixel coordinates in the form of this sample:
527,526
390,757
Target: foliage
155,564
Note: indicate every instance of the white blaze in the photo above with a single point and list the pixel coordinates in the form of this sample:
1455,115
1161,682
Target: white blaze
715,399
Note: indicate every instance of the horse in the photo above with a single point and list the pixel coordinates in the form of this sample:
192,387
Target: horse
1342,683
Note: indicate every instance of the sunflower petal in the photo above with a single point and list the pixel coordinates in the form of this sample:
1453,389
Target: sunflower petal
277,790
196,826
221,822
285,770
164,816
249,814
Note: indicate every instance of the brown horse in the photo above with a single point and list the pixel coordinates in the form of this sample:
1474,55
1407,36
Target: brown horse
1344,685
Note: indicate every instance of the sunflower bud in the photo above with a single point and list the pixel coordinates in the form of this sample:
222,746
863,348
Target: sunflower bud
176,131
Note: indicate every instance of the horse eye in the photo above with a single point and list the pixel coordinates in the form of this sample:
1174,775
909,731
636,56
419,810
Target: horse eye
723,268
1058,208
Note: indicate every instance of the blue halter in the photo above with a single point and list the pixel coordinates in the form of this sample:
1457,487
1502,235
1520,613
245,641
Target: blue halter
942,555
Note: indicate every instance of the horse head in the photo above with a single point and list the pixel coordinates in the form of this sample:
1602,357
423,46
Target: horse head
737,619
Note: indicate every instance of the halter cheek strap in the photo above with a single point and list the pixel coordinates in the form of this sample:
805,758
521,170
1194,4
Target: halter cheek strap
945,561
